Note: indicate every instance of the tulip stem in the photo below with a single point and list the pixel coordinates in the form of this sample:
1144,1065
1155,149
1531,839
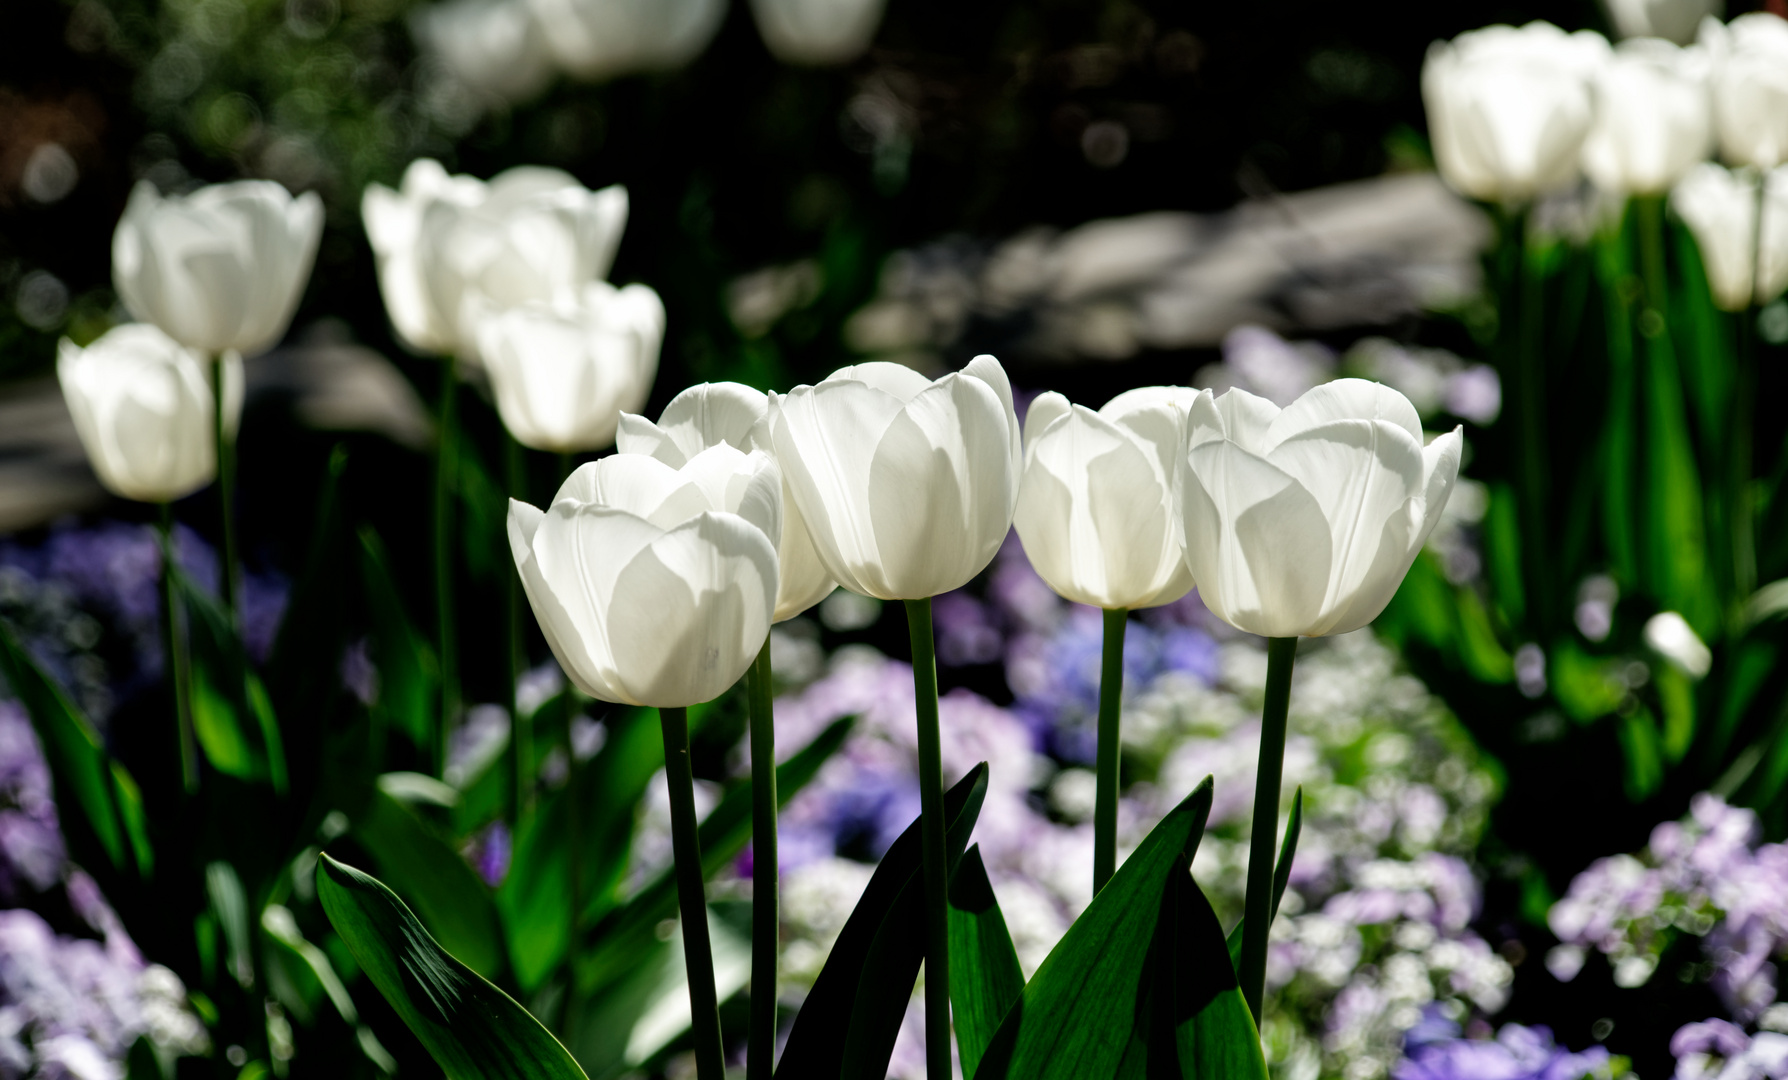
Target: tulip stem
1257,908
521,730
1111,696
1744,540
1534,458
931,832
692,904
179,677
445,447
229,568
765,930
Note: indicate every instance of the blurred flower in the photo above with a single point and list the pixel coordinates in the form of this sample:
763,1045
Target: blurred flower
1750,87
1717,1050
564,371
1672,20
1437,1052
529,235
222,268
712,414
653,585
601,39
1508,108
1096,508
1653,122
817,31
1671,637
907,485
493,46
1720,208
1303,521
142,406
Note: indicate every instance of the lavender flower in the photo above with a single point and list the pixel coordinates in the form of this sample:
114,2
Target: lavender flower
1437,1052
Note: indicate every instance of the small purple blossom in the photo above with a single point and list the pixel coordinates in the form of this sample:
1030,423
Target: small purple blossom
1436,1051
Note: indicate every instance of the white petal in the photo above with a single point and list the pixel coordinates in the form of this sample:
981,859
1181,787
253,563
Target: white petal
1345,399
1045,410
1247,419
711,413
581,554
802,578
896,379
635,484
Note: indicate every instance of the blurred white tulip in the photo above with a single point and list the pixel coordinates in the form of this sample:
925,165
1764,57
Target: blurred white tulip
222,268
1303,521
1720,208
1653,119
1672,20
528,235
601,39
1508,108
732,414
817,31
1671,637
1750,87
653,585
907,485
142,406
564,370
496,47
1097,509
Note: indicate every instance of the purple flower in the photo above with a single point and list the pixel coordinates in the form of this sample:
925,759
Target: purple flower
1517,1053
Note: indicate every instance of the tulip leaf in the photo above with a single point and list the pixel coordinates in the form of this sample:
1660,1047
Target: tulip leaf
1288,848
473,1030
409,675
227,695
848,1023
985,978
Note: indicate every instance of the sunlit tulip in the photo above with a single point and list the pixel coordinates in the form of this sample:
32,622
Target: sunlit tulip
1672,20
907,485
1671,637
1508,108
713,414
1303,521
530,234
817,31
1720,208
600,39
1097,510
494,46
653,585
142,406
563,371
1653,121
1750,88
222,268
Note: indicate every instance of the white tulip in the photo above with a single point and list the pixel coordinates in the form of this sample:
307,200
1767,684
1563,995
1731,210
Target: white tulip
600,39
1653,119
1671,637
564,371
1672,20
493,46
907,485
222,268
817,31
1720,208
142,406
732,414
1303,521
1508,108
653,585
1750,88
1098,510
530,234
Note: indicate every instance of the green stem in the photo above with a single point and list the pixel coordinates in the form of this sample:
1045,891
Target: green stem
179,677
1744,539
1534,460
521,730
446,631
765,930
1281,654
931,832
1111,696
230,568
698,956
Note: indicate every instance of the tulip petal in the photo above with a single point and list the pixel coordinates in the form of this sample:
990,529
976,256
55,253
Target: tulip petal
1256,541
710,413
580,556
1440,468
1045,410
1379,580
1345,399
1247,419
749,485
988,370
638,485
802,578
890,378
555,621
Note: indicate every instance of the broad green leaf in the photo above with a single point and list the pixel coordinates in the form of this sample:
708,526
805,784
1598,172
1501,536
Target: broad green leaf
828,1020
1214,1037
985,978
1288,848
231,713
409,675
474,1030
453,902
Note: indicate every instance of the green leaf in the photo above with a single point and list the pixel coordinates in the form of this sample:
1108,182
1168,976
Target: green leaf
1196,992
985,978
856,1004
453,902
409,675
474,1030
231,713
1288,847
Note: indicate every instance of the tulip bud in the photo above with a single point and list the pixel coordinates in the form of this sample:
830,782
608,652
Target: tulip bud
220,269
817,31
1508,109
1672,20
1653,121
907,485
732,414
653,585
1720,208
493,46
601,39
1097,509
142,406
1750,88
1303,521
563,372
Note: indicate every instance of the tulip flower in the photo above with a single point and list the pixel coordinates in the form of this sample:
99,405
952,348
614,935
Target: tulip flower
817,31
1750,88
1508,108
1720,208
1672,20
1653,119
142,407
563,372
495,47
602,39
